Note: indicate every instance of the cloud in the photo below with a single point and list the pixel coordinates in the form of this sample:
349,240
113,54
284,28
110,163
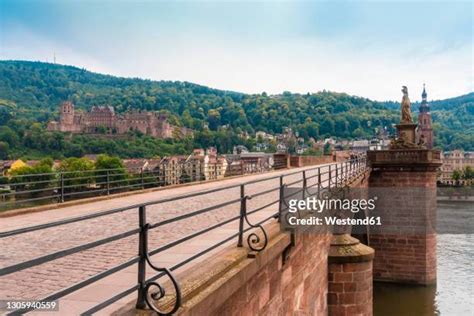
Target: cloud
358,48
24,44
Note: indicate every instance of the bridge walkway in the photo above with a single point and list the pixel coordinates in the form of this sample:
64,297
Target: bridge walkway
39,281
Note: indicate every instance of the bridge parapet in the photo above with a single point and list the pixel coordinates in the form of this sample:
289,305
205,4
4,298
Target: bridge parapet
288,275
244,227
404,158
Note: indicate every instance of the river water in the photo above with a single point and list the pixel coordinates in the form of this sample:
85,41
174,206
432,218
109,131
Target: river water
453,295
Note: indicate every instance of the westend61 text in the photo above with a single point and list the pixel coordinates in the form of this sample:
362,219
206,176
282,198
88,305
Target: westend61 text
317,205
372,221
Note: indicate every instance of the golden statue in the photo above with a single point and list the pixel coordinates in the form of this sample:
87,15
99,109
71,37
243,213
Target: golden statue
406,129
406,107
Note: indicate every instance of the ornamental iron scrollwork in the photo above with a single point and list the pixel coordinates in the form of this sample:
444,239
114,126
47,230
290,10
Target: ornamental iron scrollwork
253,239
339,193
152,297
151,291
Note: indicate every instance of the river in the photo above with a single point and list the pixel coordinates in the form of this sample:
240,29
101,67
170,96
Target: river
453,295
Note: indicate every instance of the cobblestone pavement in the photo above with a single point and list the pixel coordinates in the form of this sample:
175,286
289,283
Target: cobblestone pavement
42,280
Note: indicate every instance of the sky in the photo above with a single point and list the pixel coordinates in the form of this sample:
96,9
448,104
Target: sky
364,48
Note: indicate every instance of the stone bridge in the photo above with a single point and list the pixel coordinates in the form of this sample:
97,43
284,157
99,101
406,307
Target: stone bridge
221,247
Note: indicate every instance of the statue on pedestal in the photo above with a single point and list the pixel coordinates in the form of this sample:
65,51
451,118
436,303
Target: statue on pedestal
406,107
406,129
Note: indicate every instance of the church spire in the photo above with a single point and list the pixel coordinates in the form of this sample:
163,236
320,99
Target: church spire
424,107
424,94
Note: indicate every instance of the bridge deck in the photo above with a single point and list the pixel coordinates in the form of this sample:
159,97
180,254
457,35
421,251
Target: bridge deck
39,281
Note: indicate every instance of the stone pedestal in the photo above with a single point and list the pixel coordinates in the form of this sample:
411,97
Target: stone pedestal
404,181
407,132
350,277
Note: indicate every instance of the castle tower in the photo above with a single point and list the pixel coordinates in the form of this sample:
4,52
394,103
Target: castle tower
66,113
425,131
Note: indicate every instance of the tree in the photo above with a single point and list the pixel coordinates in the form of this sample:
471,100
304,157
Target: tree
214,119
8,136
33,178
327,149
5,115
456,175
30,93
101,129
4,148
110,170
327,126
77,174
468,173
313,152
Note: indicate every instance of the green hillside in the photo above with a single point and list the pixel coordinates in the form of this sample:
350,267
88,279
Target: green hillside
30,93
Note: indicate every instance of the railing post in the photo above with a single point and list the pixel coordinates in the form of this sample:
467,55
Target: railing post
319,182
142,251
143,180
108,183
350,168
330,177
243,206
281,199
345,171
304,184
62,186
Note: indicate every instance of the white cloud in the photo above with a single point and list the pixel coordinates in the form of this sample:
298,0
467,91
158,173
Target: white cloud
297,65
24,44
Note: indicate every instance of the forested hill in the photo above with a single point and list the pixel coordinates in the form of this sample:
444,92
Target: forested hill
40,87
32,91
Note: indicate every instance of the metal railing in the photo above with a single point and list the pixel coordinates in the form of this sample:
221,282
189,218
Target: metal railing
149,291
58,187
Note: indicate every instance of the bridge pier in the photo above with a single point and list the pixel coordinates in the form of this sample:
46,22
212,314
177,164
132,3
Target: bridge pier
404,182
350,277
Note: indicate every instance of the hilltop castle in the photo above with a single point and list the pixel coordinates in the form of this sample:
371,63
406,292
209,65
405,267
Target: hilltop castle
104,119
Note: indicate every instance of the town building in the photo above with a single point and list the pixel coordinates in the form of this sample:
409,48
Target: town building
281,148
201,165
287,140
134,166
454,160
301,149
363,145
248,162
425,131
170,170
256,162
103,119
260,135
263,141
239,149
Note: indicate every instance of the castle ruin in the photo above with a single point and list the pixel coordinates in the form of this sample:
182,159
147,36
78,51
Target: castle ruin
104,119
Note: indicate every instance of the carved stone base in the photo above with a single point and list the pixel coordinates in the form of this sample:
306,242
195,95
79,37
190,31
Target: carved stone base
407,132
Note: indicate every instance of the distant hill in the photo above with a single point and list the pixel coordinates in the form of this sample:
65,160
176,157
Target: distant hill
32,91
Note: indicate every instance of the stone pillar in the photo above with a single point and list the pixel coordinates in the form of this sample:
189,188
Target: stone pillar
350,277
404,181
